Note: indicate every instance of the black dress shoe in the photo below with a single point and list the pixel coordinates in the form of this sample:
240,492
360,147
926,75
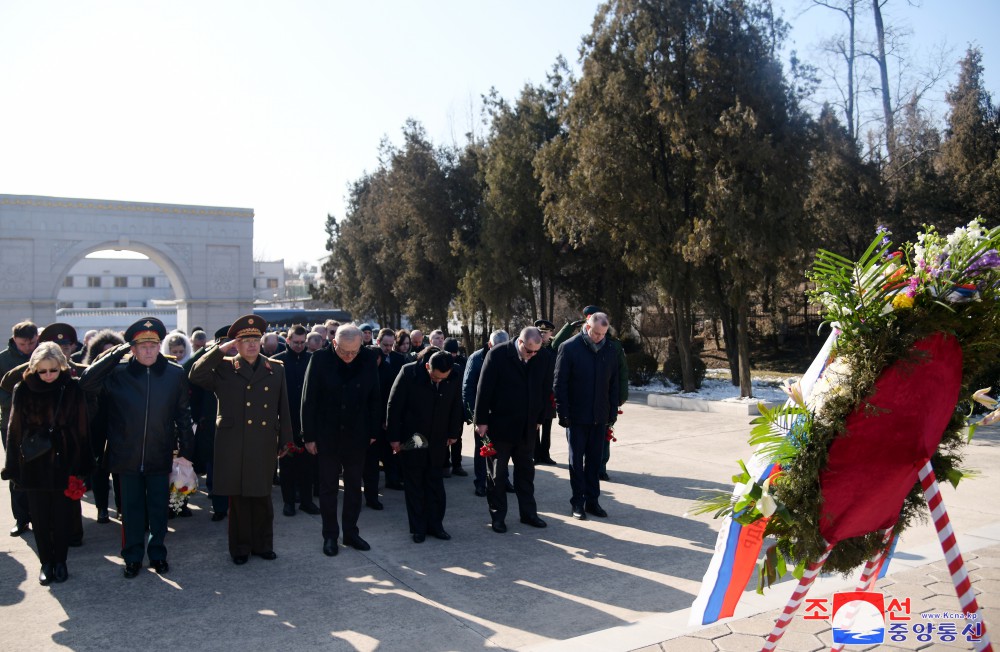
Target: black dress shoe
102,516
510,488
459,471
357,543
548,461
579,514
218,516
268,555
419,538
239,560
597,510
533,521
309,508
186,512
288,509
604,476
499,527
395,485
480,491
18,529
59,572
375,504
159,565
330,548
441,534
132,569
45,575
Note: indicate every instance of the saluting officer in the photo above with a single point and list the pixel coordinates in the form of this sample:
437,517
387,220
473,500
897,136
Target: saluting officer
254,424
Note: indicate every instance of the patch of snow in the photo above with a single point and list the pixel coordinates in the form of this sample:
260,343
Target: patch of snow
717,387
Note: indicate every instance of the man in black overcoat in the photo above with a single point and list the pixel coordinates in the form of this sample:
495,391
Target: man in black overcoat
341,417
425,416
297,470
510,404
389,364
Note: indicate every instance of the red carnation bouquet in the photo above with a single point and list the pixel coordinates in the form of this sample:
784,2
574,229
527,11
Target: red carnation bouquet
487,450
291,449
75,488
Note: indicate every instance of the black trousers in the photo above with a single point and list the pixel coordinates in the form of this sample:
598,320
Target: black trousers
454,455
379,451
52,518
19,505
544,441
586,451
423,485
352,463
251,525
100,484
521,451
297,477
145,501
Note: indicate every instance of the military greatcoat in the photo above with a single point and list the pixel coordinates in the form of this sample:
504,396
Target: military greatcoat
253,422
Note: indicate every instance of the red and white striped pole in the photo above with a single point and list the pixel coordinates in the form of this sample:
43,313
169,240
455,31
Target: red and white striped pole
868,577
808,577
952,555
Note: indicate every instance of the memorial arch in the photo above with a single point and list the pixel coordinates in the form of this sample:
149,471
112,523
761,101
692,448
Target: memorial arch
205,251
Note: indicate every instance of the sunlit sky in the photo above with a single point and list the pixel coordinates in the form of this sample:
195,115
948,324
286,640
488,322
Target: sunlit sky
279,106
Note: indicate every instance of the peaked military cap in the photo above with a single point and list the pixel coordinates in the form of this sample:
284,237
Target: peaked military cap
366,327
248,326
147,329
59,333
590,310
545,325
222,332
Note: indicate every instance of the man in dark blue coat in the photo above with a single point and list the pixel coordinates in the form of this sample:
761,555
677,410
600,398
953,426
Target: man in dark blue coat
341,416
470,383
148,417
510,405
424,418
586,391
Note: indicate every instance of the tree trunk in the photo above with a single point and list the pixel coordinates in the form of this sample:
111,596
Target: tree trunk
743,337
729,339
883,69
681,313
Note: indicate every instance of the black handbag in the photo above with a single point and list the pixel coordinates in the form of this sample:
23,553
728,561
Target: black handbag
39,442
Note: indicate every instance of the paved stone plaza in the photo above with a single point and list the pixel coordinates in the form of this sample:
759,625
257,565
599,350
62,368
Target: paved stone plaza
624,583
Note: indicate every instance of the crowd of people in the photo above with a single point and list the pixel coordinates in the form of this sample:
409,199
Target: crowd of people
311,410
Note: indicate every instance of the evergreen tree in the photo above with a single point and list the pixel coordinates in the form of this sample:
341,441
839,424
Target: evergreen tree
969,154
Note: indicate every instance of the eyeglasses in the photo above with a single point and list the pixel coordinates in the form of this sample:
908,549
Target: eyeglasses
46,371
341,351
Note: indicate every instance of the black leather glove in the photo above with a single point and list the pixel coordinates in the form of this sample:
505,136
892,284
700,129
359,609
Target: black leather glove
563,422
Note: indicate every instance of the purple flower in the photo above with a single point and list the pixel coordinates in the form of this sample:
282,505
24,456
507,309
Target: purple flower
988,260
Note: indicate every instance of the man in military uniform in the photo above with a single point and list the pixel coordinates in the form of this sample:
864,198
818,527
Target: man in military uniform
254,424
148,418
